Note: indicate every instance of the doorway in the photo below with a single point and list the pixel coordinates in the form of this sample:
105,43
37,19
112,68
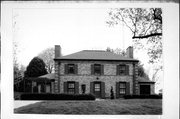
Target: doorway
97,89
144,89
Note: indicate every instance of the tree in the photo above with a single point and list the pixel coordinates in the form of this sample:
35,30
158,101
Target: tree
116,51
146,28
35,68
47,56
18,77
144,24
141,72
112,93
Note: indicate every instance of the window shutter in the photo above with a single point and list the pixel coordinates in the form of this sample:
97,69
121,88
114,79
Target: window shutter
92,69
65,87
117,89
117,70
65,69
76,87
91,87
102,69
102,90
127,69
76,69
127,88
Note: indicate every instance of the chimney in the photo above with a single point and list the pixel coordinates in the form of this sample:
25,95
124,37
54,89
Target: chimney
129,52
57,51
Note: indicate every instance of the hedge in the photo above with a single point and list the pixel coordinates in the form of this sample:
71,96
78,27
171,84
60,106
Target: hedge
57,97
143,96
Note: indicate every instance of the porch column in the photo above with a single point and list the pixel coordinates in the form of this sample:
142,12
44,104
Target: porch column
52,87
32,85
39,88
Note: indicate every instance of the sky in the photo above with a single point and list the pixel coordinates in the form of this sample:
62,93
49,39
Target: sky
73,29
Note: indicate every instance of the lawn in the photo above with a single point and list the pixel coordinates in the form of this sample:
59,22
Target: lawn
118,106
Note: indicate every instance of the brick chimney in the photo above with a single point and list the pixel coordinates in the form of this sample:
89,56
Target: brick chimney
129,52
57,51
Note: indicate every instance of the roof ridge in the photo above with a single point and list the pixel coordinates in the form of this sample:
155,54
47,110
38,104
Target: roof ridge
95,50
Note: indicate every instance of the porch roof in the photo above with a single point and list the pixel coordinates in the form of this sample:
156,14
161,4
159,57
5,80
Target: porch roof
46,77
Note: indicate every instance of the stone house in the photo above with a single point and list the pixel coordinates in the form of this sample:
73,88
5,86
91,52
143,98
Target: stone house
96,72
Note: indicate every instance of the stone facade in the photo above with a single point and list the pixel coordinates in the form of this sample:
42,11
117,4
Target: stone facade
84,76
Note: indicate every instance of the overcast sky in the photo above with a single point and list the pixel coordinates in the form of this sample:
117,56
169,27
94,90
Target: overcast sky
74,29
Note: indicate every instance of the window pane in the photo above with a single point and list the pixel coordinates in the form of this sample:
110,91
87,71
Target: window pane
122,85
71,91
71,85
97,87
122,91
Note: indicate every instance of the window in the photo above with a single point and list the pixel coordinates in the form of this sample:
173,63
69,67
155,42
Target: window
97,69
71,87
97,87
71,69
122,88
122,69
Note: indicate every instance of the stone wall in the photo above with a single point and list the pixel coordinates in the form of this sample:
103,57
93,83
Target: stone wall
84,75
109,81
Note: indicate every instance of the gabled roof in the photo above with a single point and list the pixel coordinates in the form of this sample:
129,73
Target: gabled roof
95,55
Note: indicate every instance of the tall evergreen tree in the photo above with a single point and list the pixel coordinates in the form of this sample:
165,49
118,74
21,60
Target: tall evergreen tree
35,68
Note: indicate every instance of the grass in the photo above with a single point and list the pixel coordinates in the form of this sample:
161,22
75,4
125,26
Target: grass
118,106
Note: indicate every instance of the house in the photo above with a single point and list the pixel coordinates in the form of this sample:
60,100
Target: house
96,71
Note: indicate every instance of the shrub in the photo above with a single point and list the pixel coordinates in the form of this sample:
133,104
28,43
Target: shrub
112,93
143,96
57,97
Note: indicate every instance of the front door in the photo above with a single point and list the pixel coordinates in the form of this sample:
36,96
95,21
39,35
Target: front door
97,89
145,89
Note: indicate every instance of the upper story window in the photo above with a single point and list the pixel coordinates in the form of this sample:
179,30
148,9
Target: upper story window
71,68
122,69
97,69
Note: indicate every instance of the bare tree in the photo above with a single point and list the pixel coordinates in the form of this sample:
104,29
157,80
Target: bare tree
145,24
47,56
146,28
116,51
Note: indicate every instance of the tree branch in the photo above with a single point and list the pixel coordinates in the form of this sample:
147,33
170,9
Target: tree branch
147,36
156,17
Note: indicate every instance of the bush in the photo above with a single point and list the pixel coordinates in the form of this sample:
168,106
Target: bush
112,93
57,97
143,96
